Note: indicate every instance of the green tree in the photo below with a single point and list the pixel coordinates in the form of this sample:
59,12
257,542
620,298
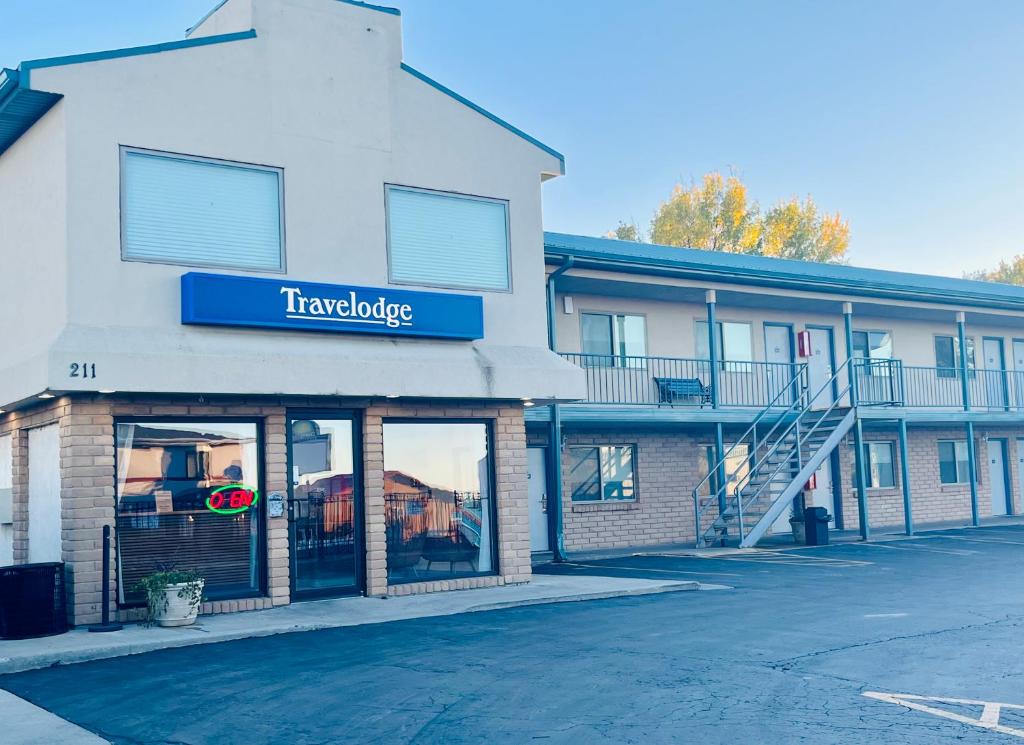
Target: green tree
717,214
627,231
714,215
1008,272
795,230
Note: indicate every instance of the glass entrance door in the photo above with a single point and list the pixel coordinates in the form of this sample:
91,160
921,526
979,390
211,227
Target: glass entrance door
324,506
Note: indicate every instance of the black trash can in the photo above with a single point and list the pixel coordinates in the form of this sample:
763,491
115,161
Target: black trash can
816,520
32,601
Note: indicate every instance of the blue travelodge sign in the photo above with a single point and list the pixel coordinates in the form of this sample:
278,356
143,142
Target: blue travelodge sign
221,300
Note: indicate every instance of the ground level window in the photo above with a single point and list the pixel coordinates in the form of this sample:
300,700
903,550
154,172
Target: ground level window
954,467
602,473
438,500
188,498
878,464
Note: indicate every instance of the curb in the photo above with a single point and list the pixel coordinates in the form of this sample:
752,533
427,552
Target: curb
196,635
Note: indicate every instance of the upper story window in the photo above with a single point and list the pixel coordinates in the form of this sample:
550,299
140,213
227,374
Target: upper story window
617,339
876,345
178,209
735,344
947,355
447,240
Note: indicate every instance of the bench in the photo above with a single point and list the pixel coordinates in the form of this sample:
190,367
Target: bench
671,390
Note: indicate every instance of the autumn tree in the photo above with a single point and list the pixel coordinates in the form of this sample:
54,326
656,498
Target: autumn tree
718,215
1008,272
627,231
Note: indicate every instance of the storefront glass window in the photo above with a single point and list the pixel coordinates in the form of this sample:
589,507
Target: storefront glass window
188,498
438,500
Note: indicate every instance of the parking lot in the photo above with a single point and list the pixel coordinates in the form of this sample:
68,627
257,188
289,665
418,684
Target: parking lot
908,641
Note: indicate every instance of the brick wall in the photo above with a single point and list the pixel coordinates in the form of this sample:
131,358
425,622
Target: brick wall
667,466
88,477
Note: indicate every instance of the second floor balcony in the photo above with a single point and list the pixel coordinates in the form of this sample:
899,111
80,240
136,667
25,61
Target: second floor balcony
624,380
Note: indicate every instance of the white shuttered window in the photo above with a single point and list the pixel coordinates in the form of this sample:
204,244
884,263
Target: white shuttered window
182,210
447,240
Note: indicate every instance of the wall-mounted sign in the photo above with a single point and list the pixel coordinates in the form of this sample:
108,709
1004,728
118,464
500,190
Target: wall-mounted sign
220,300
232,499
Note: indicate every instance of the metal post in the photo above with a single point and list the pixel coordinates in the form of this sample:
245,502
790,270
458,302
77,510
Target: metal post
908,515
710,298
961,334
862,494
106,625
720,469
848,333
972,465
554,491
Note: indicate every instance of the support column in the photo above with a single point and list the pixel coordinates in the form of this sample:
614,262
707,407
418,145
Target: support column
556,528
710,297
720,474
848,334
908,516
861,480
972,465
961,335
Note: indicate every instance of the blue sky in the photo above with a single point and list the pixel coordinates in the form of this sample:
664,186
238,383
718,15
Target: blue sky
906,117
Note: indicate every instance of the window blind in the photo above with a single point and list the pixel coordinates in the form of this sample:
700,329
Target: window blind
447,240
200,213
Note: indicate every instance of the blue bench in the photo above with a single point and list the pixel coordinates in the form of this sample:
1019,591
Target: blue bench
670,390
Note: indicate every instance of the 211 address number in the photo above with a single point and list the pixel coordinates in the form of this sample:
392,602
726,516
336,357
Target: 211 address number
82,370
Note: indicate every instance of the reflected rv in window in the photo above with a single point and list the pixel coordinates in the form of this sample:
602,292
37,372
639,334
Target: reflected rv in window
168,474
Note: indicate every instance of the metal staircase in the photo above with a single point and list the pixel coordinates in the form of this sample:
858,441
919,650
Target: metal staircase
772,461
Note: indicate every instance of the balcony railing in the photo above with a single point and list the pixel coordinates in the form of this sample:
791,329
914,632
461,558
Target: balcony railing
674,381
628,380
888,382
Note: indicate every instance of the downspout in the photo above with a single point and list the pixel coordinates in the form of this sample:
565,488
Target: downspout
555,522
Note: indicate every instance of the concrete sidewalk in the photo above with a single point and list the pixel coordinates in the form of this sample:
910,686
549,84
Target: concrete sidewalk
79,645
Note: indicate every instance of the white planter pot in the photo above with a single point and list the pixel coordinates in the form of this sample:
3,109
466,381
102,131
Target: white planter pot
177,611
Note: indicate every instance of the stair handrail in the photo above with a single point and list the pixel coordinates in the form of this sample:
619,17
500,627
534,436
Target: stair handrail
745,479
800,441
792,385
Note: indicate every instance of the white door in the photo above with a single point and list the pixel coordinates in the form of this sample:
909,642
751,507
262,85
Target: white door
819,368
1018,372
536,475
993,372
997,475
778,349
44,494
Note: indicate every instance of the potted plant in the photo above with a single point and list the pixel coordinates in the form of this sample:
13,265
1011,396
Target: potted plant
173,596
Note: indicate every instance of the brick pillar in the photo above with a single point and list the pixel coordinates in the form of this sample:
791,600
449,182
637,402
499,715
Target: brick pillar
276,480
513,497
19,476
373,503
87,503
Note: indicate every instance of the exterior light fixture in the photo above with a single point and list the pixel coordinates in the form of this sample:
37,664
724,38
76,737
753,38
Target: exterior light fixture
47,395
391,395
106,390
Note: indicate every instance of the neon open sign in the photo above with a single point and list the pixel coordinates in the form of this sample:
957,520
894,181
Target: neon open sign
232,499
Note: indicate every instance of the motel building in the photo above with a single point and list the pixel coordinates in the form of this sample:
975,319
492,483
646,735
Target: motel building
279,308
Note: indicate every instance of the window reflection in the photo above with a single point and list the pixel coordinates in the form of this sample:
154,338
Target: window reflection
166,473
438,501
323,507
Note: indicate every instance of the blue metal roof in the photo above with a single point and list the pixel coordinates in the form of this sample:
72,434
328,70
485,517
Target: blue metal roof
20,107
647,258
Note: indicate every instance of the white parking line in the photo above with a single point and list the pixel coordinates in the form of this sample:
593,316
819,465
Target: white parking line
983,540
915,547
989,718
643,569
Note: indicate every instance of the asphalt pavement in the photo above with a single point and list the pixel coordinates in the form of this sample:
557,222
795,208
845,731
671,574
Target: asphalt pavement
908,641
